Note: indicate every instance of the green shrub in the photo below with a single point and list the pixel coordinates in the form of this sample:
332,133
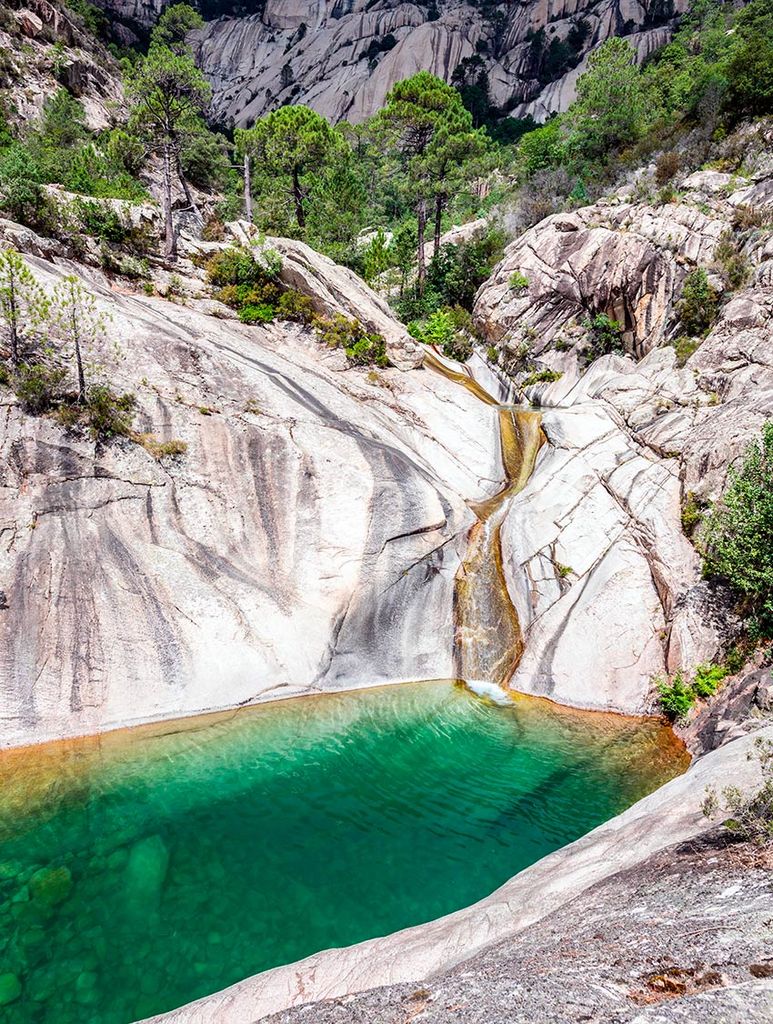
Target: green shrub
707,679
606,336
100,221
237,265
38,386
361,347
518,281
369,350
685,347
541,377
292,305
261,313
738,530
676,697
108,414
698,306
692,514
448,329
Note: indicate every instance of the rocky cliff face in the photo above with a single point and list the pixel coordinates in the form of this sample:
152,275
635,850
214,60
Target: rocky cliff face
311,537
342,58
307,539
595,537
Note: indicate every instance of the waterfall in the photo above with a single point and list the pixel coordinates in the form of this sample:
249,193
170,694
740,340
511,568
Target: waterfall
488,641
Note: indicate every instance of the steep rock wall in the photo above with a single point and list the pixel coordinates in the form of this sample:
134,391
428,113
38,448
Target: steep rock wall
343,58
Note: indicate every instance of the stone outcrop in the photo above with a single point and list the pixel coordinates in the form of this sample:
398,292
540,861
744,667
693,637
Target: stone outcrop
304,540
342,59
34,69
594,549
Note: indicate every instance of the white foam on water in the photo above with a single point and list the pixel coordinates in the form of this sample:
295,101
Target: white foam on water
484,688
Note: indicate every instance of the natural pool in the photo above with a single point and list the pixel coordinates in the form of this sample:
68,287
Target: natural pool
149,867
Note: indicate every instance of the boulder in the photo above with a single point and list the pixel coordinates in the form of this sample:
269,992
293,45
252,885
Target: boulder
10,989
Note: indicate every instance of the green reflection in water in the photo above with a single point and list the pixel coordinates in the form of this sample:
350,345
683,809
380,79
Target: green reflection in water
143,869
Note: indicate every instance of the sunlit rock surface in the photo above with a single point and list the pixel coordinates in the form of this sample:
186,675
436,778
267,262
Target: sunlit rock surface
343,58
307,539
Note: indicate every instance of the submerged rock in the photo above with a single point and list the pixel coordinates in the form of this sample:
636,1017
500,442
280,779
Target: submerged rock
10,989
144,875
50,886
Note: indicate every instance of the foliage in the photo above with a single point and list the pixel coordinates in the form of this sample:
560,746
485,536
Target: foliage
541,377
23,306
750,815
692,514
707,678
174,24
293,305
292,145
38,386
108,414
361,347
448,329
610,104
738,529
698,306
518,281
79,327
605,336
685,347
676,697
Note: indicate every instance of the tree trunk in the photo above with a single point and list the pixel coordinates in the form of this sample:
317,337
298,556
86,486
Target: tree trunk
81,375
440,202
247,189
186,187
421,273
12,318
170,242
300,216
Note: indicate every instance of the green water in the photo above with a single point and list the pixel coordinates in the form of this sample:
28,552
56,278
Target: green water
145,869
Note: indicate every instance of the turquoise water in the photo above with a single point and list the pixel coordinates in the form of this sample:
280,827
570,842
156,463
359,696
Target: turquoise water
144,869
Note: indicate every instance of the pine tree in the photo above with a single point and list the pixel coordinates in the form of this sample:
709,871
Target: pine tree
23,305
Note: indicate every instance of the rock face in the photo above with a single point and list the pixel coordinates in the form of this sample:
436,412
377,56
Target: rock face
305,540
34,69
605,583
343,58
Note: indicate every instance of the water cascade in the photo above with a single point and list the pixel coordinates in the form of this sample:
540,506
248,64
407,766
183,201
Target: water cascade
488,638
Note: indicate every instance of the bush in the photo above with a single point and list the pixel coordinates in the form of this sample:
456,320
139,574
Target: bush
108,414
606,336
692,514
518,281
685,347
369,350
361,347
699,303
293,305
541,377
667,167
38,386
738,530
448,329
239,266
707,679
257,313
676,697
100,221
